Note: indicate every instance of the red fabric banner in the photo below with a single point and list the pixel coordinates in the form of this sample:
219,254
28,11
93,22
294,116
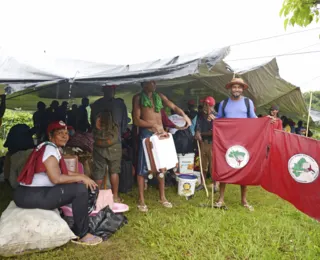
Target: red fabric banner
293,171
240,150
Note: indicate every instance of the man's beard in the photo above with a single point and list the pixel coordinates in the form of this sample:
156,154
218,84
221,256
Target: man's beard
236,96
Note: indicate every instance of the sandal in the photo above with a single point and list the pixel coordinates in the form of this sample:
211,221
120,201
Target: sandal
90,241
118,200
142,208
249,207
166,204
220,205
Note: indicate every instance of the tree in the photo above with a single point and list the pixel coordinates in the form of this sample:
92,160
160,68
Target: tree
300,12
315,99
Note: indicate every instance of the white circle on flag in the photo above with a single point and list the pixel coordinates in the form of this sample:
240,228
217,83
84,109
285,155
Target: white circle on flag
237,156
303,168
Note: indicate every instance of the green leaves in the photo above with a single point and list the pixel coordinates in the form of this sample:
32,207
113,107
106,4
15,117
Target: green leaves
300,12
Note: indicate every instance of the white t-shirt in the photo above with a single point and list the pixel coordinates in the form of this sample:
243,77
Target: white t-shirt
41,179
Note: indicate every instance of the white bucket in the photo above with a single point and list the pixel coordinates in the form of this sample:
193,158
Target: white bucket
186,184
186,162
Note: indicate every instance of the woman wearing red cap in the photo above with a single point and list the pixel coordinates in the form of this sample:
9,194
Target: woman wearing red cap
46,183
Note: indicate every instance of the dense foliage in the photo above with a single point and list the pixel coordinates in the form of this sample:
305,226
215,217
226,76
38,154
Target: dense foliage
300,12
12,118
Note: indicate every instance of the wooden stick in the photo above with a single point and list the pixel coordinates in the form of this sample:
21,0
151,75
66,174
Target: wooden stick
309,114
201,171
212,196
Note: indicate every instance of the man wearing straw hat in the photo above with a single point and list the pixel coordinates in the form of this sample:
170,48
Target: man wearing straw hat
236,106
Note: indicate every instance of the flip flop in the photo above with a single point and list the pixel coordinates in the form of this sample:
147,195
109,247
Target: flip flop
166,204
118,200
220,205
249,207
142,208
90,241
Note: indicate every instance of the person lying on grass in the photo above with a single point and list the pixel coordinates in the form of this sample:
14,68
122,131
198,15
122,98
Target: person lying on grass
45,183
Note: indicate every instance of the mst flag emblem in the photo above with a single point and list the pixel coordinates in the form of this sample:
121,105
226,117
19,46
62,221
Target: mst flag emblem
303,168
237,156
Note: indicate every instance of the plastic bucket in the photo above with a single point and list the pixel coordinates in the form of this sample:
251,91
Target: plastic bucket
186,184
186,162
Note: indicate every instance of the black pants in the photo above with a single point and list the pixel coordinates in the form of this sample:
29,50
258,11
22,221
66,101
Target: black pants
54,197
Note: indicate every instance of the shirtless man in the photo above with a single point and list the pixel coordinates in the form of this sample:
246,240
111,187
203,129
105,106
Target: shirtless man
147,107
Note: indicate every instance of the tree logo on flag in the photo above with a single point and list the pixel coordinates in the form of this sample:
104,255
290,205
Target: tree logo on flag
303,168
237,156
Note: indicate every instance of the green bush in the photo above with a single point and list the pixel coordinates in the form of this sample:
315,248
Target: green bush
11,118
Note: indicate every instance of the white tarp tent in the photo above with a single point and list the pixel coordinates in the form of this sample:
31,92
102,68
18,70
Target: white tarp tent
180,77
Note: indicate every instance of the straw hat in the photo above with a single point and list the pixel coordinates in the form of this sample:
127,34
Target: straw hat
237,81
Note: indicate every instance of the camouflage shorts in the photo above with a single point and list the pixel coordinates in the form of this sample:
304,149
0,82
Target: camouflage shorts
106,159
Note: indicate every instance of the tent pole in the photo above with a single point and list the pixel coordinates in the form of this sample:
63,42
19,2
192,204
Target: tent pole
308,121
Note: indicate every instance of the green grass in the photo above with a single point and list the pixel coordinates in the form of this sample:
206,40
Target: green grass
275,230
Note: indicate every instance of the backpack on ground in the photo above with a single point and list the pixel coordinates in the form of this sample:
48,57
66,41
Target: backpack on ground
225,102
183,141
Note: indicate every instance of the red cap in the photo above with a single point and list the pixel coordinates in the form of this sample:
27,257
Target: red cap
209,100
191,102
56,125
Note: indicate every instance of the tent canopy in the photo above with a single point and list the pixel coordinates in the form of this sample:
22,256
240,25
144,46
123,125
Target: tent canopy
181,78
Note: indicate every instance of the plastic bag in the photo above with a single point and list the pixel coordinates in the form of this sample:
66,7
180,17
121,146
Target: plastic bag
104,224
92,199
29,230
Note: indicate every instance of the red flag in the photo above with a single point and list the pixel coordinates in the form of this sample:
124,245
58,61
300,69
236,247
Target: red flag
293,171
240,148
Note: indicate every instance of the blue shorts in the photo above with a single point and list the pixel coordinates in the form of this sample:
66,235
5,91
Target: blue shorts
142,169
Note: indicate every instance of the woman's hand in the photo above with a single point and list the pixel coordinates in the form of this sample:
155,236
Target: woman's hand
89,182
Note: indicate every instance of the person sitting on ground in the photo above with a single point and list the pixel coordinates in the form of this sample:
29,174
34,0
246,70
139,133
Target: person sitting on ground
46,183
20,144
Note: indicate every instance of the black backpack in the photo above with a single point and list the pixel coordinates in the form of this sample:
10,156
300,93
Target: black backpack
183,141
225,102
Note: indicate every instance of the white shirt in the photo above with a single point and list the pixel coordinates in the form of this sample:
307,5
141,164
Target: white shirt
41,179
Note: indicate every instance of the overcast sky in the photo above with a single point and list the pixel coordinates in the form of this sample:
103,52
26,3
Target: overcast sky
124,32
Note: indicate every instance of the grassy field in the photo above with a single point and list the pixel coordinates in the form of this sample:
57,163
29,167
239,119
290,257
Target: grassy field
275,230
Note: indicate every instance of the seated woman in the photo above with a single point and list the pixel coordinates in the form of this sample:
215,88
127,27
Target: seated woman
45,183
